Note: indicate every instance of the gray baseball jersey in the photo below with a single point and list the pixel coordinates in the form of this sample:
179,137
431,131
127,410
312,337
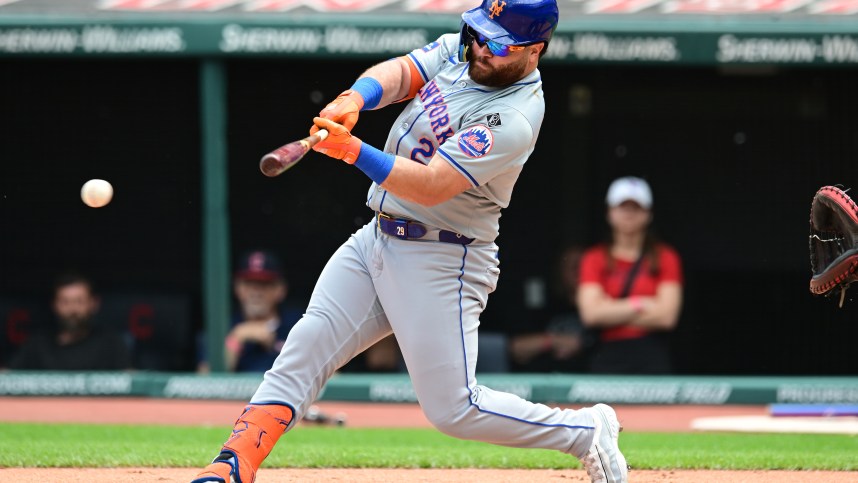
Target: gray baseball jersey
486,133
428,292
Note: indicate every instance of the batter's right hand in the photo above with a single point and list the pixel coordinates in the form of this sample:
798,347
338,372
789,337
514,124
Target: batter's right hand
340,143
343,110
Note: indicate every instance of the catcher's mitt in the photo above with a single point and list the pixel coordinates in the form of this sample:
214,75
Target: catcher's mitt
833,241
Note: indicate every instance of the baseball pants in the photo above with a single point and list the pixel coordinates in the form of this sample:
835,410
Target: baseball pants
430,295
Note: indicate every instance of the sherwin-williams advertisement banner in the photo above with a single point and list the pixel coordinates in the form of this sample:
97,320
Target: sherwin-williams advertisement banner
234,39
660,32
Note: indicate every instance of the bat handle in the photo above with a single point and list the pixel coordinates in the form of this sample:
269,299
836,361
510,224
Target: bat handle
314,139
322,134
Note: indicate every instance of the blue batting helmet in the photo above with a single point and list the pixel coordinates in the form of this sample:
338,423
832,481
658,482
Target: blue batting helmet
514,22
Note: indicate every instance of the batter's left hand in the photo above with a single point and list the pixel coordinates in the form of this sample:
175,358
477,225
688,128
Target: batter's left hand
340,143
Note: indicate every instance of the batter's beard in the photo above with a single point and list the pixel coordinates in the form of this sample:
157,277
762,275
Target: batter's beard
485,74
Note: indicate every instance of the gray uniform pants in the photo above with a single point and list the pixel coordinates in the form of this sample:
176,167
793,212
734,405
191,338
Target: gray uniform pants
430,294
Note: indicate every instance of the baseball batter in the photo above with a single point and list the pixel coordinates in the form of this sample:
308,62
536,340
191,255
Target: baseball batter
425,266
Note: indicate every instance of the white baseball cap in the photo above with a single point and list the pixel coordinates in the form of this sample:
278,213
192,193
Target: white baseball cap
629,188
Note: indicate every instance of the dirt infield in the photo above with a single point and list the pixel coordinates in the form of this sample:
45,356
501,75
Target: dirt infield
222,413
361,415
266,475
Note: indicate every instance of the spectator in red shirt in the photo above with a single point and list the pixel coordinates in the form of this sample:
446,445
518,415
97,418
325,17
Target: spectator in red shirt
630,287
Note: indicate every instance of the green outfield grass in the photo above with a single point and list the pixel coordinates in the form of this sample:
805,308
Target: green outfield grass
76,445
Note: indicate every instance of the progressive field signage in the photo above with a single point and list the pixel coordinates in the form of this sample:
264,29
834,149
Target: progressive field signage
397,388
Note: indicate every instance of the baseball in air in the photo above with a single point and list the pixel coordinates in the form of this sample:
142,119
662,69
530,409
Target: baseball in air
96,193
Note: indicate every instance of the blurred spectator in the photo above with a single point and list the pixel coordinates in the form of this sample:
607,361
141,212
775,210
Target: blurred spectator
630,287
263,320
76,342
554,342
383,356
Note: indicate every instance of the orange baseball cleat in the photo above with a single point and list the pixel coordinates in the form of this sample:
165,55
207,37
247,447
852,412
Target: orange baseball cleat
253,437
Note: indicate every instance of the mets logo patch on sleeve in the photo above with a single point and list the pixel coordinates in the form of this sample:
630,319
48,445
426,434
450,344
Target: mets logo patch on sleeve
476,142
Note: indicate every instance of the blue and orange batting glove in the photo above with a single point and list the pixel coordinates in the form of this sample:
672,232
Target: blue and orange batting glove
340,143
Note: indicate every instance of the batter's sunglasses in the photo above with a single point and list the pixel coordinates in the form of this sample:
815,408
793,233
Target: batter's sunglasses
496,48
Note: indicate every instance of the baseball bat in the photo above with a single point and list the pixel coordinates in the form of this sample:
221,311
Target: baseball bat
288,155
